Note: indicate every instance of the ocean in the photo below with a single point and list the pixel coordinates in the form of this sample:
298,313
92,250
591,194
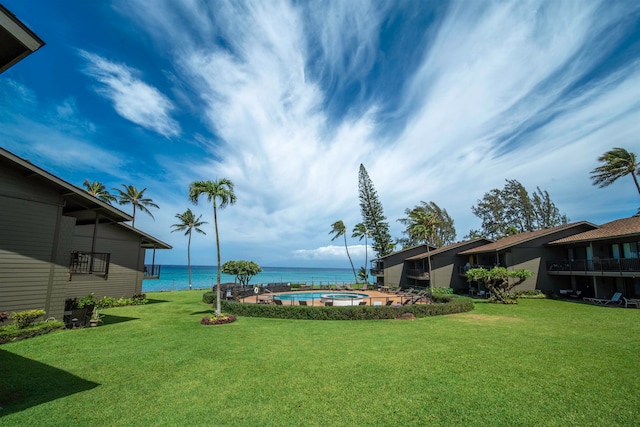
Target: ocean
175,277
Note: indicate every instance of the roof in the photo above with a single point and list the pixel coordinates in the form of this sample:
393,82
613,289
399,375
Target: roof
517,239
404,250
147,240
77,202
625,227
449,247
17,41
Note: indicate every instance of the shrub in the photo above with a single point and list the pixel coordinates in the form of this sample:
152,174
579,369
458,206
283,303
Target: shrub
13,333
87,300
532,293
107,302
443,304
22,319
442,291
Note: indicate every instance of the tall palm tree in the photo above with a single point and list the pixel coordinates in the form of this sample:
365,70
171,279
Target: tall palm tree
132,196
188,223
422,225
222,190
99,191
339,229
360,231
616,164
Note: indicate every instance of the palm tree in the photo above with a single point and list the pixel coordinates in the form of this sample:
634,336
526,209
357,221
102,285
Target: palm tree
131,195
98,190
616,164
222,190
360,231
339,229
188,223
422,225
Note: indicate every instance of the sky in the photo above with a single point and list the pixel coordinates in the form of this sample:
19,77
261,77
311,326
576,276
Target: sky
440,100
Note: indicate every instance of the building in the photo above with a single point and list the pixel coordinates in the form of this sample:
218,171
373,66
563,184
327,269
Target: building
526,251
599,262
16,40
446,265
59,242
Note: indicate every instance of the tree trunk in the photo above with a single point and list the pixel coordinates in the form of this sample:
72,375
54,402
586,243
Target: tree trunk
218,294
355,276
189,259
635,179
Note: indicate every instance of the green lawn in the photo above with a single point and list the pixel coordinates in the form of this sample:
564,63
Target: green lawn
541,362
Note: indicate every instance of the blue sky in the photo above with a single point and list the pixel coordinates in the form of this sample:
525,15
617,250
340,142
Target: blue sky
441,101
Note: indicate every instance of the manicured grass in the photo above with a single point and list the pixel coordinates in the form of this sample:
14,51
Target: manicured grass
540,362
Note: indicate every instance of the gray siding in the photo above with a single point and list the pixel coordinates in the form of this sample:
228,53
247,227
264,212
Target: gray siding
27,236
126,264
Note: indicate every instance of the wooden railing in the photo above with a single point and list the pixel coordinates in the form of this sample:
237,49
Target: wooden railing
596,265
89,263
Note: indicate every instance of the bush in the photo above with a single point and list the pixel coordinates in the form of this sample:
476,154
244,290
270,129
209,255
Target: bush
442,291
533,293
107,302
13,333
443,304
22,319
87,300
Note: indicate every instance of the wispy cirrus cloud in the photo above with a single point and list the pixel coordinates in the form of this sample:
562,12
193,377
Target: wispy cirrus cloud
132,98
523,90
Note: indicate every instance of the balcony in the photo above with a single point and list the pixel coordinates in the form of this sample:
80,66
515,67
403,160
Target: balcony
418,274
378,272
152,272
596,267
89,263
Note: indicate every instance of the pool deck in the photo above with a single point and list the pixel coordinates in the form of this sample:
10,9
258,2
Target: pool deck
371,299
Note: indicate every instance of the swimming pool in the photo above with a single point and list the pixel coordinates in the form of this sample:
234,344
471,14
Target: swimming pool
349,298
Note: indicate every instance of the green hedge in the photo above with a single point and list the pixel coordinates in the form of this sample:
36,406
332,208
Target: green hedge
443,304
13,333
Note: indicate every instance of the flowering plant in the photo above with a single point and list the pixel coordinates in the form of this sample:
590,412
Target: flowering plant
218,320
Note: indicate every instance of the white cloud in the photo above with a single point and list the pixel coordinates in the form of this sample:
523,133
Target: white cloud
331,252
132,98
493,98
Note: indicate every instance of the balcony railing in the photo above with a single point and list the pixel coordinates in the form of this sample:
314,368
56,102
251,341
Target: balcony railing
89,263
418,273
596,265
377,272
152,271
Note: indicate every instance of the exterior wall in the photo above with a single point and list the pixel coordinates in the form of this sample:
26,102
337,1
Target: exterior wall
125,268
395,271
27,233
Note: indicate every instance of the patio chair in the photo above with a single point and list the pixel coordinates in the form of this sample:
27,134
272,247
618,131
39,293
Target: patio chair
481,294
615,299
328,304
304,303
632,302
348,287
277,301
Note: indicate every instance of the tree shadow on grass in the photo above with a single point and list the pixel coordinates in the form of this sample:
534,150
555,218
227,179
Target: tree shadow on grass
110,319
155,301
210,311
25,383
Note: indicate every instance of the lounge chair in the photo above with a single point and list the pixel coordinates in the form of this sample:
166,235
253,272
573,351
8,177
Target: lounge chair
302,303
615,299
407,293
363,303
277,302
328,304
339,287
396,291
348,287
632,302
389,302
365,287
